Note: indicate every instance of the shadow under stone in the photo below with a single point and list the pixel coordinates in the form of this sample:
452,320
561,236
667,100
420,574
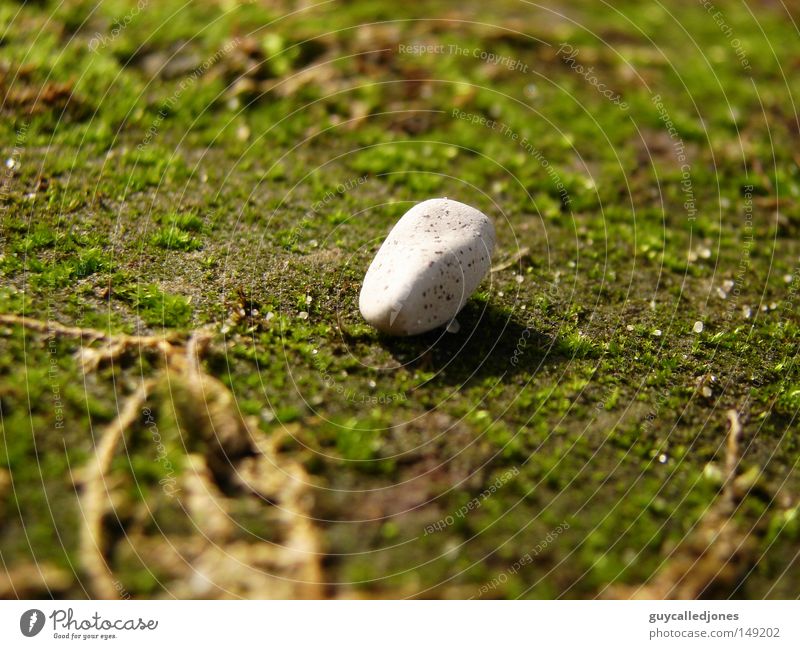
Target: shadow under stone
491,342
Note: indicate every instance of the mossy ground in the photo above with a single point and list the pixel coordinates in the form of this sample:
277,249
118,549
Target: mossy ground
235,167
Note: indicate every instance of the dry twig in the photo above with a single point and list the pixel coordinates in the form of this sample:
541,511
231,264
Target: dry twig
229,567
714,553
95,495
522,252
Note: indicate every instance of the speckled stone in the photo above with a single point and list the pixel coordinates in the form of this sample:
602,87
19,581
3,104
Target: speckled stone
430,264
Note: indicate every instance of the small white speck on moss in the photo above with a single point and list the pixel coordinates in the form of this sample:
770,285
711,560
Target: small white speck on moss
698,327
303,315
656,332
712,473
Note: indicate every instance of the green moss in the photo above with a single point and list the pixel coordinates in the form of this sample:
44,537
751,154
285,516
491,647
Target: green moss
286,192
161,309
173,238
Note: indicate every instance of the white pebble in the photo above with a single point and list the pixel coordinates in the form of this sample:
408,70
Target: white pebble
698,327
427,268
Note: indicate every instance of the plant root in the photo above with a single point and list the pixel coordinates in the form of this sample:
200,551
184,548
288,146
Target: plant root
715,553
213,561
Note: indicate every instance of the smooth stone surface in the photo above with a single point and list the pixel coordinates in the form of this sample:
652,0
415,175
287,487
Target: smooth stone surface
430,264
